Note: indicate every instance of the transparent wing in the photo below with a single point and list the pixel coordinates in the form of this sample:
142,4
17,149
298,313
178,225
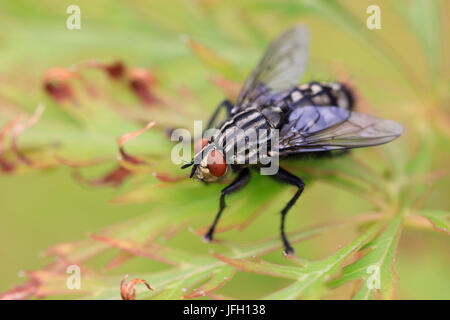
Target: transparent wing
279,70
311,129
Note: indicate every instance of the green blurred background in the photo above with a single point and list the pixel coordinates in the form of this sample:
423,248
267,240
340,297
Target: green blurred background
41,208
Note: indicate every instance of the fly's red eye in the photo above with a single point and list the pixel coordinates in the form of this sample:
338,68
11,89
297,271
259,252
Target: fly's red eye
200,144
216,163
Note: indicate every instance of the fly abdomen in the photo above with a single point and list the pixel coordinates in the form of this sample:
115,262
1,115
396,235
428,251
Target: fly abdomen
323,94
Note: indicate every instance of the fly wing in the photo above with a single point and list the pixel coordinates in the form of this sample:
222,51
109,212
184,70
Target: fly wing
279,70
311,129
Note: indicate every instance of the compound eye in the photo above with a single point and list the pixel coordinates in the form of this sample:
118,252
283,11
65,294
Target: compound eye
216,163
200,144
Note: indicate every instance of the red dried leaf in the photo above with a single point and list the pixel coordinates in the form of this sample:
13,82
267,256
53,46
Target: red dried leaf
115,178
140,81
38,280
165,177
128,136
210,286
21,292
127,290
115,70
64,249
120,258
56,84
59,91
6,165
73,253
151,251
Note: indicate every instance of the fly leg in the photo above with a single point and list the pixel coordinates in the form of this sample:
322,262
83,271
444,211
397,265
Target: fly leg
237,184
225,103
287,177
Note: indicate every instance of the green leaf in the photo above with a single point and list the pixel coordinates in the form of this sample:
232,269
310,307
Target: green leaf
309,278
84,135
213,61
422,17
376,267
191,274
422,160
183,280
439,219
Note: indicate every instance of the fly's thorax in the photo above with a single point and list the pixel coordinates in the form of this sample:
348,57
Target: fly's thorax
273,115
248,135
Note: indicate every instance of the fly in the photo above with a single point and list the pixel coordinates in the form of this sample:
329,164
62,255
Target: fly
314,117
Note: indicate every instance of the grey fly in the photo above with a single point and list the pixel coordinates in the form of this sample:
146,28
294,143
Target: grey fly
314,117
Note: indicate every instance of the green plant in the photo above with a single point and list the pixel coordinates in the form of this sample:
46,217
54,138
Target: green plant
92,106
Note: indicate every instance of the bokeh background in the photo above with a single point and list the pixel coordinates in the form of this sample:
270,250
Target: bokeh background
187,48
